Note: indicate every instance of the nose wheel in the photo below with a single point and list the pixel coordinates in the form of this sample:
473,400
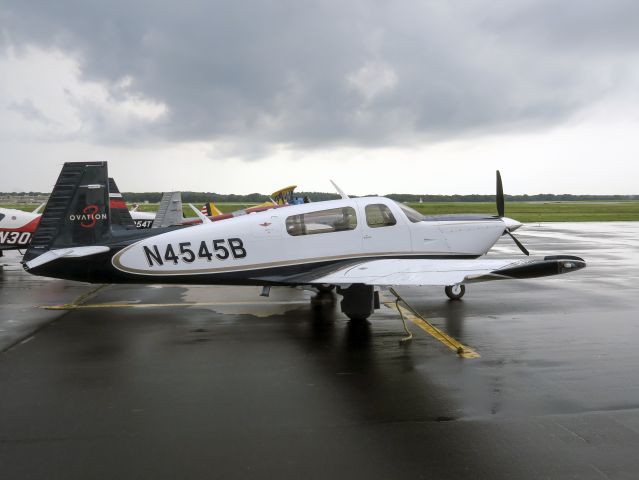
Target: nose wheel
455,292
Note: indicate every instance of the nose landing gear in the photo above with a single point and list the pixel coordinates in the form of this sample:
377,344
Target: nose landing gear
455,292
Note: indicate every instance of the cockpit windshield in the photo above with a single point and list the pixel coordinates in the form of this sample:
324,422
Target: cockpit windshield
1,216
412,214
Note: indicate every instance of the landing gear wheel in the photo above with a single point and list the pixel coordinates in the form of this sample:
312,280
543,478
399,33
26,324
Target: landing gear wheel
325,288
358,301
455,292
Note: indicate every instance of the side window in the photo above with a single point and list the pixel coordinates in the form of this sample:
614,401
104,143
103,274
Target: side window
413,215
324,221
379,215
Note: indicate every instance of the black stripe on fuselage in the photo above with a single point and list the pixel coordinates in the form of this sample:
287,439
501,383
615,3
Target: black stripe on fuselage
99,269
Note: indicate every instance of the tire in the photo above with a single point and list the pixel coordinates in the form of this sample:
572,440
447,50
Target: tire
357,318
325,288
455,292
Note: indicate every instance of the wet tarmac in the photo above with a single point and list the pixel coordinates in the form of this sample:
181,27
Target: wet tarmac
222,383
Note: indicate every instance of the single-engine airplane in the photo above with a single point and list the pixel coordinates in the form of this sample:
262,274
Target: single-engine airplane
354,244
16,228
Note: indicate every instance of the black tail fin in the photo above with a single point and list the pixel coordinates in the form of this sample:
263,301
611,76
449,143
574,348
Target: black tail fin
77,213
120,215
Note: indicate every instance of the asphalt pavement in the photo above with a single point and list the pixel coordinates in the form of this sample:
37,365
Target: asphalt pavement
218,382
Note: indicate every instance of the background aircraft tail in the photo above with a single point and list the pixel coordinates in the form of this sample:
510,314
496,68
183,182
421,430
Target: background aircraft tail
210,210
120,215
77,213
170,210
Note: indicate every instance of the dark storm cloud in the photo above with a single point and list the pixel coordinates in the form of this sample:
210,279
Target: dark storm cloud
313,74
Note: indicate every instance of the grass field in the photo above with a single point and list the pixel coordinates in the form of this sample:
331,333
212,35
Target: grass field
526,212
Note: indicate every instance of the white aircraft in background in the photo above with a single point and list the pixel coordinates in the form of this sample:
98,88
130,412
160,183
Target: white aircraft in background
17,227
170,209
354,244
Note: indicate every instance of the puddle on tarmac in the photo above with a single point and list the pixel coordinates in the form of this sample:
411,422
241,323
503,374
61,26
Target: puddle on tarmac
235,300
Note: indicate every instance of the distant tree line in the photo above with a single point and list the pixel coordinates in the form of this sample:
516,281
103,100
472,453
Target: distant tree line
201,197
540,197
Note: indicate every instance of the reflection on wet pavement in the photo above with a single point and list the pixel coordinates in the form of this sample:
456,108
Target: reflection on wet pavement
253,386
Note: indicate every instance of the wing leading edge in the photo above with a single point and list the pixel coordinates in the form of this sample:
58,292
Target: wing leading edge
406,272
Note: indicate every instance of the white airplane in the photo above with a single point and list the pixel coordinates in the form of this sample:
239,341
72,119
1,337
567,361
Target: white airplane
16,228
170,209
142,219
354,244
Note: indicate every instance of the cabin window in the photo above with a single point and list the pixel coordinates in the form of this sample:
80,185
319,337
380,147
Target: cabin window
412,214
379,215
324,221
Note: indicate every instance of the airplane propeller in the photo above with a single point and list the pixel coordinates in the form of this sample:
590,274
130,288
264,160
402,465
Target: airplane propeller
501,213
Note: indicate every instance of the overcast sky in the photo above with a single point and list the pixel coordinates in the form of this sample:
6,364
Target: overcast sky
381,96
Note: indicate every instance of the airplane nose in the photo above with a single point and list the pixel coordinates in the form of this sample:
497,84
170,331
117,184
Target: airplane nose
511,224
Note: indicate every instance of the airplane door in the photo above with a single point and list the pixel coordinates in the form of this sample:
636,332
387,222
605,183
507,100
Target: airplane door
383,231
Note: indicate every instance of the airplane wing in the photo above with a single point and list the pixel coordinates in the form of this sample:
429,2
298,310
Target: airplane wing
418,272
284,195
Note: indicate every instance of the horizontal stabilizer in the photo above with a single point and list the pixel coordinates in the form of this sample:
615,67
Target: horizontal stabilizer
74,252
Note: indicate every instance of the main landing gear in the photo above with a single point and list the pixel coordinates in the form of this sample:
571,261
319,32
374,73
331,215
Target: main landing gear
455,292
359,301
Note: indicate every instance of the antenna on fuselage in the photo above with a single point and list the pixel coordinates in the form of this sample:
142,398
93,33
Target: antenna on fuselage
199,214
340,191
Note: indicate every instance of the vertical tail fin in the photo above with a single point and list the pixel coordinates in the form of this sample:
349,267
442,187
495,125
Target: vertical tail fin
120,215
210,210
170,210
77,213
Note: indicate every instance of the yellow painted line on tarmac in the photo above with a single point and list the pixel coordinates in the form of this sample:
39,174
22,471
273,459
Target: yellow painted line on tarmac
85,296
72,306
459,348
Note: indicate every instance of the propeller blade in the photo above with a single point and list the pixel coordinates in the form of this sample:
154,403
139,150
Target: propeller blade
500,196
519,244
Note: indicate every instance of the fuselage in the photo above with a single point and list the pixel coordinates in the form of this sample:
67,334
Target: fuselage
142,219
16,228
257,248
